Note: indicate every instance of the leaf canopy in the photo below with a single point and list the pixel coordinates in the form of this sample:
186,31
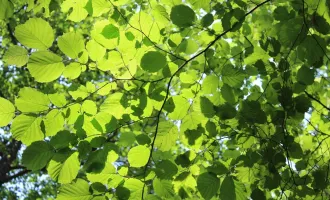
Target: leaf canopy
166,99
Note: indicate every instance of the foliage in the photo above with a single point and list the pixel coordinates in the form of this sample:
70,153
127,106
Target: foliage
167,99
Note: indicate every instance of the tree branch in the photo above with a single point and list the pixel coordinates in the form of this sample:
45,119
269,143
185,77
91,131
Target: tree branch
9,178
318,101
178,70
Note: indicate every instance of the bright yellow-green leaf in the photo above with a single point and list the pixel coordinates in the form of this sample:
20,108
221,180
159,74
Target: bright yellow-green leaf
73,70
135,188
27,129
45,66
64,167
58,99
16,55
32,100
35,33
78,9
7,112
6,9
114,105
77,190
138,156
89,107
167,136
80,92
54,122
100,7
210,84
95,50
180,108
71,44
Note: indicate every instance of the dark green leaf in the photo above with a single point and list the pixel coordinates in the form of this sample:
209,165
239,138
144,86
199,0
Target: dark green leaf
182,15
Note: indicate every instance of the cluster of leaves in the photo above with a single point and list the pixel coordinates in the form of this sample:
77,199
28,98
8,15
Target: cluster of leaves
171,99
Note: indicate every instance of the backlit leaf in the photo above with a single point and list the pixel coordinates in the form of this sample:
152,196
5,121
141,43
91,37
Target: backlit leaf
7,112
45,66
35,33
138,156
16,55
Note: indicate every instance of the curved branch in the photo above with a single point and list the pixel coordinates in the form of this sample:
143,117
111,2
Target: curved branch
178,70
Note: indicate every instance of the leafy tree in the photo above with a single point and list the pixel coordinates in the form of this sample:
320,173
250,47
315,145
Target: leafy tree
165,99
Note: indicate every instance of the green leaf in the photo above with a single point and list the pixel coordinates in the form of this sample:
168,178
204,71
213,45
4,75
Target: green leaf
135,188
208,185
167,136
311,49
163,188
166,169
180,107
231,189
62,139
95,50
228,94
103,176
257,194
138,156
100,7
35,33
188,46
107,121
205,106
110,31
182,15
189,77
73,70
6,9
96,161
302,103
251,111
89,107
37,155
207,20
54,122
190,121
57,99
210,84
64,167
306,75
218,168
153,61
31,100
78,9
80,92
116,100
16,55
7,112
78,190
71,44
321,25
232,76
45,66
27,129
98,188
126,139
